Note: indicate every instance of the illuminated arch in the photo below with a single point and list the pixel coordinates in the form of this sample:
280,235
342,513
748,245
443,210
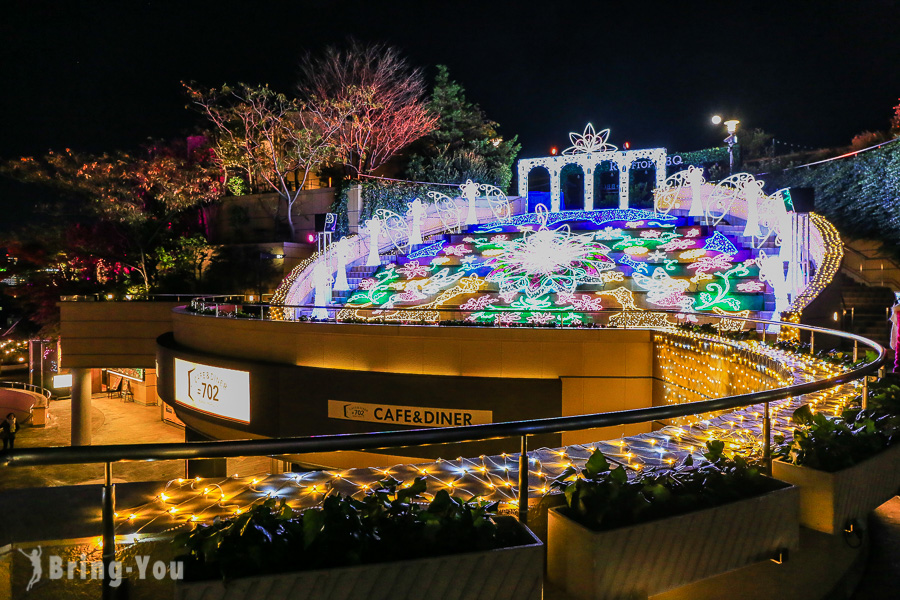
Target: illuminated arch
588,157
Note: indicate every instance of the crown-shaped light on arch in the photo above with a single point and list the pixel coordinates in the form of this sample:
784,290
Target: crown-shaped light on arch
589,141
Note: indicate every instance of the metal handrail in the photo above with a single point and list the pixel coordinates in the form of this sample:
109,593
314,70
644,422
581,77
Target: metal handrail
98,297
860,273
415,437
27,387
418,437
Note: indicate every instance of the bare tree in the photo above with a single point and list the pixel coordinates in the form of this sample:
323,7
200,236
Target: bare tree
371,97
269,137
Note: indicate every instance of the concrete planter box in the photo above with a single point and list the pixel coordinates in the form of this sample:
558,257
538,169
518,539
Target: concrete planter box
514,573
829,500
39,413
650,558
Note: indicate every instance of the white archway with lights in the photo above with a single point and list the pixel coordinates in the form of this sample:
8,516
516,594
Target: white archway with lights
588,150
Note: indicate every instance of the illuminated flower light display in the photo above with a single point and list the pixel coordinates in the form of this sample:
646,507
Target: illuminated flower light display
555,269
589,141
598,218
548,261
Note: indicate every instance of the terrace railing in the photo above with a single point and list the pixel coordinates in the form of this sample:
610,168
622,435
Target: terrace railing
471,433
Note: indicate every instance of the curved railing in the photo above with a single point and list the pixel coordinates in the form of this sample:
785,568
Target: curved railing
27,387
469,433
392,439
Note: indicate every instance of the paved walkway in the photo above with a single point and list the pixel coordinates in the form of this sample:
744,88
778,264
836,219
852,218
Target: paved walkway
116,422
113,422
881,578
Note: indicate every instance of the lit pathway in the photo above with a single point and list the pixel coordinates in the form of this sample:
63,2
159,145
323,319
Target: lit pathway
494,478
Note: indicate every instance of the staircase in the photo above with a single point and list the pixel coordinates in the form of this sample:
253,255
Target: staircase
867,309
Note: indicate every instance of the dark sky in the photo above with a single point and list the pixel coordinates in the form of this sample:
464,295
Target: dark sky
100,76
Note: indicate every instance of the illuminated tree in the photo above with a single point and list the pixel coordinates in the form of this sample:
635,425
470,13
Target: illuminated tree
370,97
270,138
465,144
122,213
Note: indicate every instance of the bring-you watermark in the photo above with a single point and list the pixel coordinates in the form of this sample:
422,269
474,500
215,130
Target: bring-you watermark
57,568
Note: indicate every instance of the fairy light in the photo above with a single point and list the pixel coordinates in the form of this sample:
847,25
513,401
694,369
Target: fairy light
693,366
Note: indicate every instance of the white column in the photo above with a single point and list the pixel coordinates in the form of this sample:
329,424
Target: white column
340,278
588,188
81,407
354,207
623,185
554,190
523,179
661,170
695,182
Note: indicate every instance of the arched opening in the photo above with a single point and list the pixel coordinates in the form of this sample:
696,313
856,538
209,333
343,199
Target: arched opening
606,185
538,188
641,183
571,185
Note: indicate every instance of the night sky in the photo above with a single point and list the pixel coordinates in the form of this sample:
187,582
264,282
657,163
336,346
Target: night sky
98,76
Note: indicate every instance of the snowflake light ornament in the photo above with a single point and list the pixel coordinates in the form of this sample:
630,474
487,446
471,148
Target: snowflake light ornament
549,261
589,141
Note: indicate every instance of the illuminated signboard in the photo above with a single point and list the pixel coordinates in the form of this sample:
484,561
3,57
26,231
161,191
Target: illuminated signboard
221,392
62,381
417,416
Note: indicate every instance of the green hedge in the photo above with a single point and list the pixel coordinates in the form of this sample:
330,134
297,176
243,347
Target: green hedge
859,194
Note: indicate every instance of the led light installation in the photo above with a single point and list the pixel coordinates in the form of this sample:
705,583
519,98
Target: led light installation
470,192
322,281
415,213
396,227
548,261
341,250
373,229
589,150
448,211
692,367
589,141
532,272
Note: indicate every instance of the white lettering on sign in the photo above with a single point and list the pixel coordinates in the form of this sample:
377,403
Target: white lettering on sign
213,390
416,416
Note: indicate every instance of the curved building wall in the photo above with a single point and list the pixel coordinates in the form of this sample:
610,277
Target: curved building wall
299,379
300,371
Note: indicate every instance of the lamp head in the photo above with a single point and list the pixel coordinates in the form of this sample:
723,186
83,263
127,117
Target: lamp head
732,125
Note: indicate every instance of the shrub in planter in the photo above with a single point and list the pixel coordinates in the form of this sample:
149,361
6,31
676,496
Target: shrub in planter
614,539
604,498
845,465
383,528
834,443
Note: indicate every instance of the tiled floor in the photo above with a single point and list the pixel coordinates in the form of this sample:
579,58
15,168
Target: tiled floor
113,422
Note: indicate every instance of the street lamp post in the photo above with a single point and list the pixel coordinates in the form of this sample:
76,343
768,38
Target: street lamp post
731,140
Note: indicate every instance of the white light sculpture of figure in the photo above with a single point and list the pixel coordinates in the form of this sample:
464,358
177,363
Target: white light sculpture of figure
771,270
470,192
373,227
694,177
752,190
322,281
341,250
415,213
